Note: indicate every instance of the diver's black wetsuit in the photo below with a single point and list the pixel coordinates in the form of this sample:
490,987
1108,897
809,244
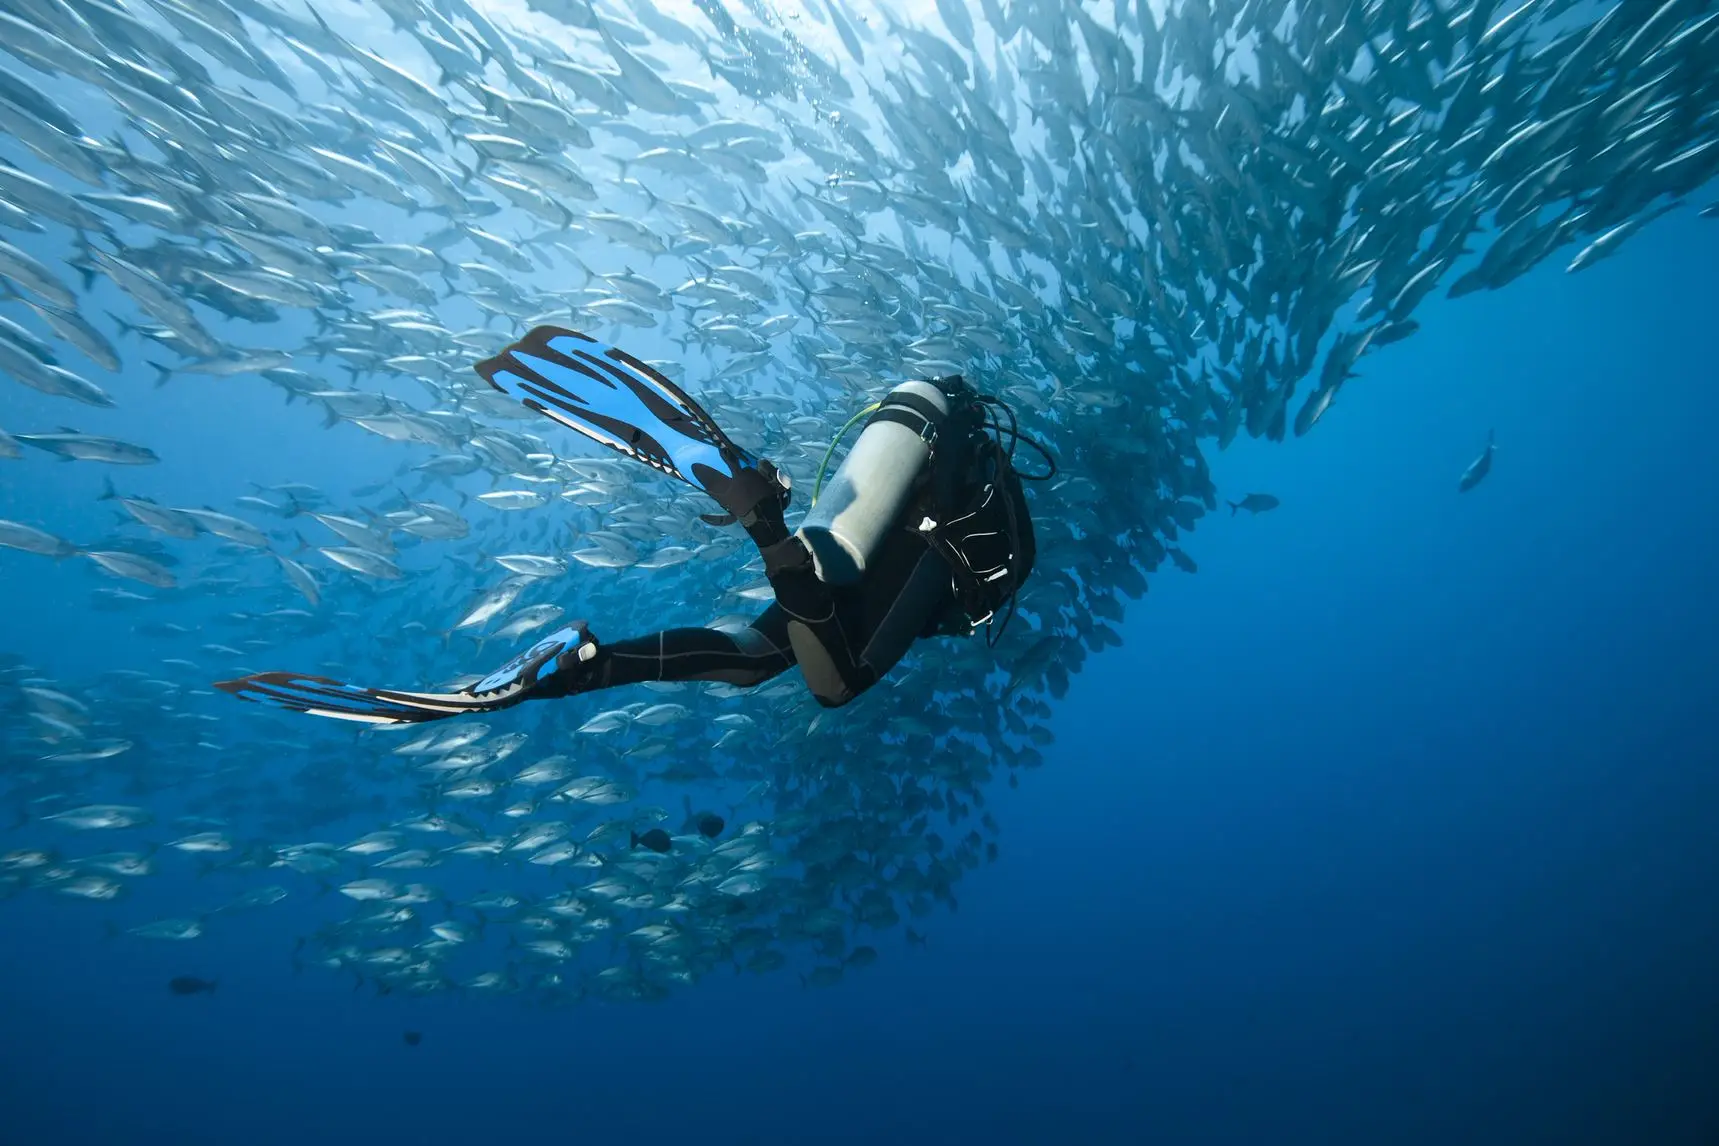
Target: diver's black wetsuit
906,594
848,636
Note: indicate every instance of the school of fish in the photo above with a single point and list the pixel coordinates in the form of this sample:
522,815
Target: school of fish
1150,229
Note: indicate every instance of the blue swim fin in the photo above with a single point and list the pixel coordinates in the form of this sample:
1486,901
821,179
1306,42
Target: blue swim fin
549,668
620,402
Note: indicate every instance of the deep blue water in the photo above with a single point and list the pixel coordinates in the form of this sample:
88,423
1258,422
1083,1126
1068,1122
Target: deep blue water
1394,824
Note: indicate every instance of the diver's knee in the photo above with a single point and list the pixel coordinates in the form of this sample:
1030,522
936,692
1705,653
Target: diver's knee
823,677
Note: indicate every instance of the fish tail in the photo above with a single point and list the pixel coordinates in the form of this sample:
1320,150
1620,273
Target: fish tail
84,262
635,842
108,493
583,269
1234,508
162,374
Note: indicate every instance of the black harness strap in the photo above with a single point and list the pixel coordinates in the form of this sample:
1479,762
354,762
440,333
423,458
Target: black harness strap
916,413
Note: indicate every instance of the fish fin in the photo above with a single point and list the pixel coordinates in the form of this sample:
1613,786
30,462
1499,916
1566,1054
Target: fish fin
108,493
84,263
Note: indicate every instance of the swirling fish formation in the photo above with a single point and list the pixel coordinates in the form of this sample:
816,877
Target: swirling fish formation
1149,228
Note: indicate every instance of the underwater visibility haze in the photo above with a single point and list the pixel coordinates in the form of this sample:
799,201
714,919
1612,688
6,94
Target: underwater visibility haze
1344,771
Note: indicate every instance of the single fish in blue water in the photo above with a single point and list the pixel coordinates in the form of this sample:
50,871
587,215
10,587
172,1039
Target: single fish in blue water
1478,468
1254,503
191,985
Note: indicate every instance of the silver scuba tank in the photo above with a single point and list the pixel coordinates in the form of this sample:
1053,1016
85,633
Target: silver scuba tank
860,504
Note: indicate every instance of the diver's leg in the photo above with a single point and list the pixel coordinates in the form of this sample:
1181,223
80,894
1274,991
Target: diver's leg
818,621
745,657
846,641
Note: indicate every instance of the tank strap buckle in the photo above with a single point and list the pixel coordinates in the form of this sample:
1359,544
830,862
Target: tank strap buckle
913,412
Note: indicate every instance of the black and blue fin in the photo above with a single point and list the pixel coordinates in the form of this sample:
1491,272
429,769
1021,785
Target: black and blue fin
320,696
551,667
617,401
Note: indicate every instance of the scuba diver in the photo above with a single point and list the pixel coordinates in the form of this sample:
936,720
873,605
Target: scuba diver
923,531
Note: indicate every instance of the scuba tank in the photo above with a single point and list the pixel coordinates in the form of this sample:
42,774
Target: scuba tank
865,496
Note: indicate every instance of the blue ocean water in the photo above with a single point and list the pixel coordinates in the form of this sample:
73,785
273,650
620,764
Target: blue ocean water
1392,824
